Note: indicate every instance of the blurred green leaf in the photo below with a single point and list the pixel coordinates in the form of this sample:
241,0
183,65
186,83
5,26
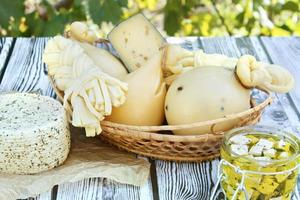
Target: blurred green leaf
10,8
173,17
291,5
103,10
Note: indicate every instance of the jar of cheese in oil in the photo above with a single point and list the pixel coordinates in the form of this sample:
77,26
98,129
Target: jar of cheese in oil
259,163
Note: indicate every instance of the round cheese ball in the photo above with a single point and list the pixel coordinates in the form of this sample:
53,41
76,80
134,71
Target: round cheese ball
202,94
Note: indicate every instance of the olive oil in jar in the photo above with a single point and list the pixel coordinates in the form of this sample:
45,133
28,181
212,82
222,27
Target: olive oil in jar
267,157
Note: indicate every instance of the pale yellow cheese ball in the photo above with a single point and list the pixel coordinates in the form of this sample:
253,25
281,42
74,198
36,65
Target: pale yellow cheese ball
205,93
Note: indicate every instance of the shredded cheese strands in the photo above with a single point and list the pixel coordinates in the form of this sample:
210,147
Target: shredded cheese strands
89,92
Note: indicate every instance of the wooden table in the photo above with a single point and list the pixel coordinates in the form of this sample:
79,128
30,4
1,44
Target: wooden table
22,69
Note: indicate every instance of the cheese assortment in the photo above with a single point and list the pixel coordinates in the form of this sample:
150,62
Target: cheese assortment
34,133
268,160
97,87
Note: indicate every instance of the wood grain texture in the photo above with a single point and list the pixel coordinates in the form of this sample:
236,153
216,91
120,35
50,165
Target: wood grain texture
25,70
285,51
97,188
5,47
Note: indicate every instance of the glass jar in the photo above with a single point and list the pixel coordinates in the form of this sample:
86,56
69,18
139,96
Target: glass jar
259,163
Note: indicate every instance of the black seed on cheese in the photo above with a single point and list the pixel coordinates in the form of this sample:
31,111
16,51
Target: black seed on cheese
166,107
180,88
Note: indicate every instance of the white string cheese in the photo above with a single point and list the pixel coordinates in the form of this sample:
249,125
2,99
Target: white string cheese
89,92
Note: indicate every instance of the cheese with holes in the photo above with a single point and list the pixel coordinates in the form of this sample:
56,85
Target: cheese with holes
136,40
34,133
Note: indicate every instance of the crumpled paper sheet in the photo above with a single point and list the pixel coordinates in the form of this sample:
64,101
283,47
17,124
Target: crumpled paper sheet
89,157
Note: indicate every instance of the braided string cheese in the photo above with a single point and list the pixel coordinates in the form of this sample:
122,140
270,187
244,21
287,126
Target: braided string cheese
269,77
90,91
251,73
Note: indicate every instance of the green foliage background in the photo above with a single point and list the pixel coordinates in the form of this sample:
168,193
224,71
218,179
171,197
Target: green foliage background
172,17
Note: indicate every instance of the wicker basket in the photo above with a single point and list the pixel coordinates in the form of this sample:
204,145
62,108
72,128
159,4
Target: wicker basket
158,141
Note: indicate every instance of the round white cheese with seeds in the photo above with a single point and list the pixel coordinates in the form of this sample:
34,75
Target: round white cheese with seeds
34,133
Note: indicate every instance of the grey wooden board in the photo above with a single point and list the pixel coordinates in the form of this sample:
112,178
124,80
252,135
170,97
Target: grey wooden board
285,51
25,72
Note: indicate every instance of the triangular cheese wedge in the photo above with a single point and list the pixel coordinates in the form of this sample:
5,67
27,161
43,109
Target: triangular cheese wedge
145,97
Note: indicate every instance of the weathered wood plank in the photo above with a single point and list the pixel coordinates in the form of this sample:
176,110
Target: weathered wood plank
285,51
102,188
5,46
186,180
283,99
25,69
97,188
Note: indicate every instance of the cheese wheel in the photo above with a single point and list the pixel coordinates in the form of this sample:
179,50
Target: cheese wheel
34,133
202,94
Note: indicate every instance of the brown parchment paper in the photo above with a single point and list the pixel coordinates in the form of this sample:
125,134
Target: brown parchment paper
89,157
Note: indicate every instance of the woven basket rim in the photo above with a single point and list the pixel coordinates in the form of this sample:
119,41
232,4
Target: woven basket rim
249,111
150,131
